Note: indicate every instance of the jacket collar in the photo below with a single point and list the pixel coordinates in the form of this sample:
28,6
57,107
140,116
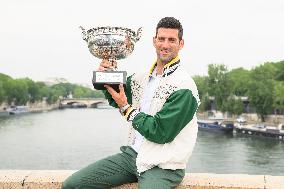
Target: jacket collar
169,68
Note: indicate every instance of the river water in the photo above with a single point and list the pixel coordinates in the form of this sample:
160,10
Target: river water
74,138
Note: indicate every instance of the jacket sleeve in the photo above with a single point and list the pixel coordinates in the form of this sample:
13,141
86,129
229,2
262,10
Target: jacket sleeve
166,124
127,89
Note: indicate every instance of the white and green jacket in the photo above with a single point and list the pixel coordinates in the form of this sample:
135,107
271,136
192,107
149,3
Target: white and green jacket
170,129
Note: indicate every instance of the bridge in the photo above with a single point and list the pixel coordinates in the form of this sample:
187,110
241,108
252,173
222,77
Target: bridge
82,102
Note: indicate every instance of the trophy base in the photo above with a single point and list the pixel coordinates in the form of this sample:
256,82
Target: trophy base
111,78
99,86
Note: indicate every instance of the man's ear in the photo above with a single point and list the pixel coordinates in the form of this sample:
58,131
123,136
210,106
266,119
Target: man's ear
154,42
181,44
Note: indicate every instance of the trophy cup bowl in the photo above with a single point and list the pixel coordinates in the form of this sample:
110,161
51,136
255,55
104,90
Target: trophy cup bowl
112,43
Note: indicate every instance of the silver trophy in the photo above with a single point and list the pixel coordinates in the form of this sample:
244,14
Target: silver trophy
112,43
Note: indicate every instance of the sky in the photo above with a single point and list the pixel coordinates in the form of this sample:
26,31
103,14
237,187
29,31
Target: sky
41,39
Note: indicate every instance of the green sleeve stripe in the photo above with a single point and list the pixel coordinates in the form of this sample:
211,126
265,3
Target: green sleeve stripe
166,124
109,99
127,90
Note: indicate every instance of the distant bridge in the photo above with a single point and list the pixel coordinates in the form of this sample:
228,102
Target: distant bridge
87,102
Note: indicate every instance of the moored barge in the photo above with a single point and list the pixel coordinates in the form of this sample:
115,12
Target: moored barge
261,130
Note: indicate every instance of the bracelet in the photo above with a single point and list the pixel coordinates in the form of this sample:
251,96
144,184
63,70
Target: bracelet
123,109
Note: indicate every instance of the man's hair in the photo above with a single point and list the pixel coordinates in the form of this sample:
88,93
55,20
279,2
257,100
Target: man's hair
170,22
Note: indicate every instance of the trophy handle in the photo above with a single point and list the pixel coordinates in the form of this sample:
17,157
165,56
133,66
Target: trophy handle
138,34
84,33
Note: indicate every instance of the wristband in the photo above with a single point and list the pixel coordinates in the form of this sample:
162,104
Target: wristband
123,109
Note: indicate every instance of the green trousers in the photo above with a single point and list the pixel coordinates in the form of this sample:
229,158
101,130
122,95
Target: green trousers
120,169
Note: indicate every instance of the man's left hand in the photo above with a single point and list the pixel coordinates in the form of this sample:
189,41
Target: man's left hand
120,98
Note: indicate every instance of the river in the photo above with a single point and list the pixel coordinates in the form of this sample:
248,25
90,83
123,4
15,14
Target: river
74,138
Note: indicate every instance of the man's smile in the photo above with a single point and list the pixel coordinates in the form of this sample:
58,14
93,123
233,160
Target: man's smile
164,52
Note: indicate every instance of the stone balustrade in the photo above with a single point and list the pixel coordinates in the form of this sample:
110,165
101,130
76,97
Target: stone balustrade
52,179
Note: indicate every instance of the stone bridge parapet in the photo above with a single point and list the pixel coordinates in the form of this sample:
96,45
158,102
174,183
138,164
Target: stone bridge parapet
89,102
52,179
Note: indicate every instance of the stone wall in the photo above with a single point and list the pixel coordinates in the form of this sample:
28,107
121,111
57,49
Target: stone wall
41,106
269,119
3,106
52,179
34,107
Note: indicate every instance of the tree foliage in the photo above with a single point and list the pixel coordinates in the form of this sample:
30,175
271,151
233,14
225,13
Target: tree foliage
21,91
3,83
219,85
263,85
239,78
279,73
205,103
202,86
278,96
234,105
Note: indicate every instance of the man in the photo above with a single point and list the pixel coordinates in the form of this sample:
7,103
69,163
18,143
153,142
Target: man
161,108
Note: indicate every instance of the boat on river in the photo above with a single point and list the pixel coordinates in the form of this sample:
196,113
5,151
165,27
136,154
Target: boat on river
17,110
213,125
261,130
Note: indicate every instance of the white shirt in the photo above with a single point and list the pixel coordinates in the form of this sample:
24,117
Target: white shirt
145,104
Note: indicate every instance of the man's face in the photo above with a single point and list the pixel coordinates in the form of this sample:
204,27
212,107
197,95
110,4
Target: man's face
167,44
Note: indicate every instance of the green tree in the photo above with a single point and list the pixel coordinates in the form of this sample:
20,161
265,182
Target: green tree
62,89
33,90
17,92
43,90
219,85
205,103
261,97
279,75
261,87
3,85
266,71
98,94
238,107
202,86
2,93
278,96
240,79
79,92
4,77
234,105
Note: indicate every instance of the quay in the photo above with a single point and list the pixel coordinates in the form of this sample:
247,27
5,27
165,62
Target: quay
52,179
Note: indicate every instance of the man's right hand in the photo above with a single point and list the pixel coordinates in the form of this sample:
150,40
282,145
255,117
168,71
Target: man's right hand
105,64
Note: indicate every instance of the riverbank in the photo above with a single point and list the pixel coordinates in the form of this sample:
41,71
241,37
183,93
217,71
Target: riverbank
35,179
39,106
42,106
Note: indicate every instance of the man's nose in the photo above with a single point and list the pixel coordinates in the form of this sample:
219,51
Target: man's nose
166,44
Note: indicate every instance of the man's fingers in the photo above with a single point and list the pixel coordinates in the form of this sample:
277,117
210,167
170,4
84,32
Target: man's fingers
105,63
101,68
110,89
121,88
120,98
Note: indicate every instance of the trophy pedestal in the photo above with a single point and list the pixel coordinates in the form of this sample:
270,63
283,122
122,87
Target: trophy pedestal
111,78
